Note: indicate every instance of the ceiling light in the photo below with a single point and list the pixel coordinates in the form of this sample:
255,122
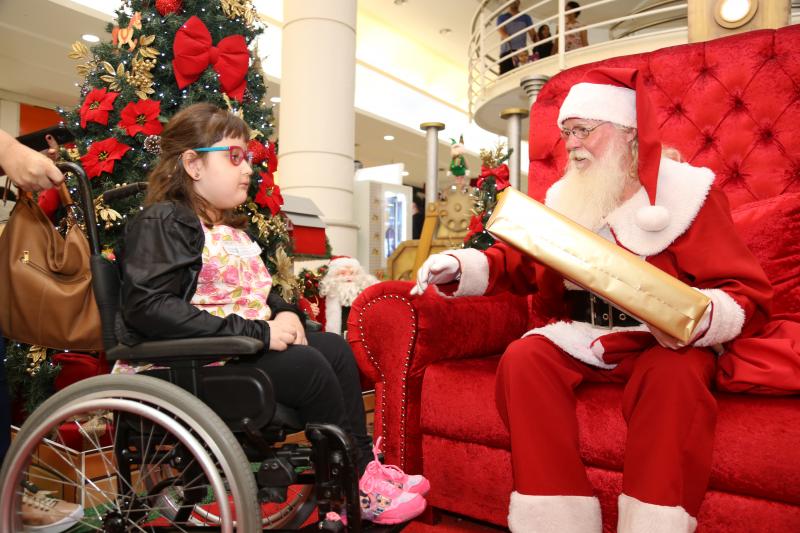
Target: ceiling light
388,137
734,13
275,99
90,38
404,173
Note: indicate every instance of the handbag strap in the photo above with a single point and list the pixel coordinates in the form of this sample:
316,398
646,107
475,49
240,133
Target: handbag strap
66,197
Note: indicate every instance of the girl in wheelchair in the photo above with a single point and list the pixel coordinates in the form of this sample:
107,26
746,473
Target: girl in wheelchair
189,269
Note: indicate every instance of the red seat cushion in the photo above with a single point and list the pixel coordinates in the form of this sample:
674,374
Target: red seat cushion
756,450
771,229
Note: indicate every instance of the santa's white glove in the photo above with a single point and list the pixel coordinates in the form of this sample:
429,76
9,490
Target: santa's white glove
437,269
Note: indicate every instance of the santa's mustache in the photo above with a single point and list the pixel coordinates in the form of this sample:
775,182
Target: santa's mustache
580,153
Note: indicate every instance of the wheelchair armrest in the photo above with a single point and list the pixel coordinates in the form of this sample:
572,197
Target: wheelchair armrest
152,351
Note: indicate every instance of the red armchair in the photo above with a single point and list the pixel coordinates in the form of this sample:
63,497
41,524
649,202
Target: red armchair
732,105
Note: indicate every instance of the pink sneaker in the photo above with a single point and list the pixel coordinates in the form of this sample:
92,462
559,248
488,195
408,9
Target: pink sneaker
383,502
416,484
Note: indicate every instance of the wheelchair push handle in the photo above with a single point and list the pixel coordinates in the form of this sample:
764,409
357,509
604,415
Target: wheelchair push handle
85,192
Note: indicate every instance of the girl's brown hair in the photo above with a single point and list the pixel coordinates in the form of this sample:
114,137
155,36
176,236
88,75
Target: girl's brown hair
193,127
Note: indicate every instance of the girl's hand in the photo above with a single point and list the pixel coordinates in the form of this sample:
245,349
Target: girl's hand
292,322
281,335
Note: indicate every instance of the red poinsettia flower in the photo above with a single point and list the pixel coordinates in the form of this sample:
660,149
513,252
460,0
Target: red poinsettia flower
258,150
272,158
102,155
96,106
269,194
141,117
475,226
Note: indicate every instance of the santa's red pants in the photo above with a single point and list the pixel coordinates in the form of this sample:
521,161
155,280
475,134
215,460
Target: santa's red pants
666,403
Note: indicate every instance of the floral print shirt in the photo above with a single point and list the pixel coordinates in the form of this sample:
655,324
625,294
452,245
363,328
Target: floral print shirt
233,280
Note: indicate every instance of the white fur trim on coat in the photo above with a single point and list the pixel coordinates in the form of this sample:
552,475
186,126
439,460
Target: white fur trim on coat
598,101
333,315
682,190
727,319
554,514
474,272
638,517
576,339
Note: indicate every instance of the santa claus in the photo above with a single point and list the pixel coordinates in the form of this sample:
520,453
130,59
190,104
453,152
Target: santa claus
344,281
621,184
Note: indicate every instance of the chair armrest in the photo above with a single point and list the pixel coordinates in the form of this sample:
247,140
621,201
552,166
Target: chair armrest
395,336
177,349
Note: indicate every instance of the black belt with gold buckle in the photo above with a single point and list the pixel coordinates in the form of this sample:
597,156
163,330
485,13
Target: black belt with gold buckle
587,307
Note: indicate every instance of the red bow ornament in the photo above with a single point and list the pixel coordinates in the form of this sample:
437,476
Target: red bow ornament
500,176
194,52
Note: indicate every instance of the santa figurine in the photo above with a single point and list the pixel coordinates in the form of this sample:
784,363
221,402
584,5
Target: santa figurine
345,280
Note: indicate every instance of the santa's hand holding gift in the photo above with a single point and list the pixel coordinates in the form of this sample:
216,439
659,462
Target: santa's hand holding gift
621,184
345,280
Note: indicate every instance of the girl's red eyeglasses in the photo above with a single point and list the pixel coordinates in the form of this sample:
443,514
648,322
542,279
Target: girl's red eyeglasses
237,154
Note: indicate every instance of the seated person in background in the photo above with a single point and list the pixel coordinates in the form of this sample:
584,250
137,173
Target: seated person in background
544,49
578,39
509,23
190,270
616,165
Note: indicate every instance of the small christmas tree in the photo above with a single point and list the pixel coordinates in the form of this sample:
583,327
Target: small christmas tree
493,179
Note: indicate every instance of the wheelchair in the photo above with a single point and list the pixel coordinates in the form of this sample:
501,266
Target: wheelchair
188,447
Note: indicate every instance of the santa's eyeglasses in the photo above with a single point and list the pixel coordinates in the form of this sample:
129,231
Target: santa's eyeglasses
237,154
579,132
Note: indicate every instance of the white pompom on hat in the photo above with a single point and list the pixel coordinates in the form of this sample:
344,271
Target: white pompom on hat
618,95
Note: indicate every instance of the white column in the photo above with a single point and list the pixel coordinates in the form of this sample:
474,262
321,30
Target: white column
431,130
317,116
513,117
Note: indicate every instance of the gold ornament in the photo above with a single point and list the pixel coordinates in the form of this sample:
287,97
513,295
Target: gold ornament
73,154
240,9
238,111
36,356
105,213
284,277
81,51
494,158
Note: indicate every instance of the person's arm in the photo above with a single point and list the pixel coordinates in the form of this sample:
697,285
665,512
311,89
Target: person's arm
28,169
501,29
161,253
740,292
584,38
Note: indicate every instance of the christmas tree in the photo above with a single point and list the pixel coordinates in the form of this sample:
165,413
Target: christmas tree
493,179
163,56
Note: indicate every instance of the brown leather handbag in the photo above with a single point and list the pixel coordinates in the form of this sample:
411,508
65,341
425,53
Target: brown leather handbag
46,295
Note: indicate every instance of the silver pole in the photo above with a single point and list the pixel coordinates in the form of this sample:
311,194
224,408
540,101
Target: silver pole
514,116
431,178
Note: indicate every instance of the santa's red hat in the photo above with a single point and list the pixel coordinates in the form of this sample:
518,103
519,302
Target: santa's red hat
617,95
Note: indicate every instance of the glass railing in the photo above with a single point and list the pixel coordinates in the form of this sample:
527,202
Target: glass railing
504,44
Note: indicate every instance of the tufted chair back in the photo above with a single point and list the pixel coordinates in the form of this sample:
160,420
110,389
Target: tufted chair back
732,105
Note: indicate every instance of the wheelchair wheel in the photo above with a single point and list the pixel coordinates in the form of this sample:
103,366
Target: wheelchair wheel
164,453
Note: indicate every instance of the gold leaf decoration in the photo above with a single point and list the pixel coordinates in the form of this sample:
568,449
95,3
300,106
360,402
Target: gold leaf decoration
36,356
284,277
240,9
108,67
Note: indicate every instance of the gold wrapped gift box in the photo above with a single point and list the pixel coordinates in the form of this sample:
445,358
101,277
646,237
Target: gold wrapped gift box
635,286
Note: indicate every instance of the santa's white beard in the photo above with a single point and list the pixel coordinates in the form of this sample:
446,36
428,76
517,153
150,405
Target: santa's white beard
589,195
344,291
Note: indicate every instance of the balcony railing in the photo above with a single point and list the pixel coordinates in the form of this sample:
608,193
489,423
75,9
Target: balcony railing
606,22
